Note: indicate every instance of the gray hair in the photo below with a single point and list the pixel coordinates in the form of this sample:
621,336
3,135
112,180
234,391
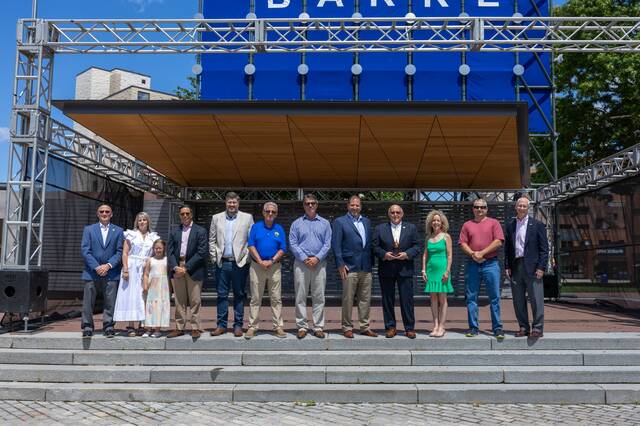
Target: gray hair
231,195
270,203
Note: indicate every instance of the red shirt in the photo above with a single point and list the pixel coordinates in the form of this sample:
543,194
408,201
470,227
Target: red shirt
478,235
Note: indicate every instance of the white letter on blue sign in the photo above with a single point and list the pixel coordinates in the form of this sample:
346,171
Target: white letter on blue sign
484,3
337,2
272,5
443,3
374,3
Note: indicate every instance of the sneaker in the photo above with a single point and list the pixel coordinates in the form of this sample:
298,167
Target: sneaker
280,333
499,334
155,335
146,334
251,332
472,332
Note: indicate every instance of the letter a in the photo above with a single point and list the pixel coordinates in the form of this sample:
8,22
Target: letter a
272,5
337,2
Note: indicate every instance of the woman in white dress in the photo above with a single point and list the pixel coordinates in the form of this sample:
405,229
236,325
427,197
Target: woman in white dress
138,247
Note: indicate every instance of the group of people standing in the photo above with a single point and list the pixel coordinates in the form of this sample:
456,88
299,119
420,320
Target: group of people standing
134,269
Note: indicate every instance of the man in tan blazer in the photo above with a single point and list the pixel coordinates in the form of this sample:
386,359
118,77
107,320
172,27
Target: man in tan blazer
228,237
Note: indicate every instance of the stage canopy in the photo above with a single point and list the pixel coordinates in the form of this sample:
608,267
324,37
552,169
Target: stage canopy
449,145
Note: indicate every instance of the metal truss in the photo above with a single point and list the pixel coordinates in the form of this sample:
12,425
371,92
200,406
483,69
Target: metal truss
606,171
392,34
89,154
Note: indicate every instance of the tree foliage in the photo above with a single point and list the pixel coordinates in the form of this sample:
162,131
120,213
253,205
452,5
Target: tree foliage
598,103
188,93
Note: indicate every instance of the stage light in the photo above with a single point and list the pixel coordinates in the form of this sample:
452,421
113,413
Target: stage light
356,69
464,69
251,15
518,70
196,69
249,69
410,69
303,69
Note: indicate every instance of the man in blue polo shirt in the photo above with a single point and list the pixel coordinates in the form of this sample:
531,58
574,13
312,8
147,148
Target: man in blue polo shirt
267,244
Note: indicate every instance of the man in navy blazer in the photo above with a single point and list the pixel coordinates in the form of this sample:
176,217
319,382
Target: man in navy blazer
102,252
351,244
396,244
187,260
525,259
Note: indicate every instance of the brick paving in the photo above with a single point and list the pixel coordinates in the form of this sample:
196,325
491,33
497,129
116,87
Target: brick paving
98,413
559,317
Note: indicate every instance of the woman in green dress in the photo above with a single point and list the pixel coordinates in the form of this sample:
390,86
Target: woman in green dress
436,268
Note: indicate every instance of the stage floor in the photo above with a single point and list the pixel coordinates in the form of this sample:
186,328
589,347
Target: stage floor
559,317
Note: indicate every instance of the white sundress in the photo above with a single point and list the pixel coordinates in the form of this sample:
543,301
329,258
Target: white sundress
130,302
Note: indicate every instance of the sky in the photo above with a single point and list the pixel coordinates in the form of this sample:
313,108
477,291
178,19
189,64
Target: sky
166,71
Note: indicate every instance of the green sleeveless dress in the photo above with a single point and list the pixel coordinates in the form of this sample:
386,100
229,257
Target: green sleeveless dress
436,267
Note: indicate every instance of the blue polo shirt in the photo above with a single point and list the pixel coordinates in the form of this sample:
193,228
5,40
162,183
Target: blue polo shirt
267,241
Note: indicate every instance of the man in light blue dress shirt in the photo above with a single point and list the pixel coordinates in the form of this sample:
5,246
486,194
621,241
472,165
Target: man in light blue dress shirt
310,242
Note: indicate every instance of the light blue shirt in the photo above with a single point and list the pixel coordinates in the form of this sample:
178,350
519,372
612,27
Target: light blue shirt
357,221
228,235
310,237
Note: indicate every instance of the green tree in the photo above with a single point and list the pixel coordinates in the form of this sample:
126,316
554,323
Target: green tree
188,93
598,104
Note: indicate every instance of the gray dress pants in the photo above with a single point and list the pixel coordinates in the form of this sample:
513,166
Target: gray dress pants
522,285
109,290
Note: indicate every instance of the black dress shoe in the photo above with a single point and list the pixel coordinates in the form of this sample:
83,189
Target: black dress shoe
109,333
87,333
522,333
536,334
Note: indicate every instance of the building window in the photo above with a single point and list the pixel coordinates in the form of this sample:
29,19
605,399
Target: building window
144,81
143,96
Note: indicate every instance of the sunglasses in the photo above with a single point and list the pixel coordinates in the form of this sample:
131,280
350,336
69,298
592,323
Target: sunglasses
310,204
480,207
269,211
185,214
104,211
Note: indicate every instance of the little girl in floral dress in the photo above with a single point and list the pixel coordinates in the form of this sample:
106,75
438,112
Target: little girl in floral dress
156,289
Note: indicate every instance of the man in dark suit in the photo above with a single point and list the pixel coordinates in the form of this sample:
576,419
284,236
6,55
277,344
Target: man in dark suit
102,252
186,260
526,256
396,244
351,244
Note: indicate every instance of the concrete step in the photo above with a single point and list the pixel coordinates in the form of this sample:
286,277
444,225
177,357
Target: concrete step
318,375
334,342
363,393
322,358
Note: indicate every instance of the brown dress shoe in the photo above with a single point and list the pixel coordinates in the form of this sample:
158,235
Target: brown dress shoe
536,334
522,333
175,333
319,334
410,334
348,334
390,332
195,334
368,333
237,332
302,333
218,331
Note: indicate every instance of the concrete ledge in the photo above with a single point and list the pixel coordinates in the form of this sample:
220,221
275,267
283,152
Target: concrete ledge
496,358
401,394
5,340
22,392
511,394
414,375
451,341
326,358
139,392
153,358
238,375
572,374
68,340
73,374
571,341
612,357
622,393
227,342
29,356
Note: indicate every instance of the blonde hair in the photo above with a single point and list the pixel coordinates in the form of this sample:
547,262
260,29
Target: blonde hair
146,216
443,219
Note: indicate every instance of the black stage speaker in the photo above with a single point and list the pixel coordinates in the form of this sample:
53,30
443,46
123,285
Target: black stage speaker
23,291
551,287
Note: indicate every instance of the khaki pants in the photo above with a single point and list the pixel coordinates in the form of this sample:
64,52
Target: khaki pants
187,292
358,285
271,278
312,280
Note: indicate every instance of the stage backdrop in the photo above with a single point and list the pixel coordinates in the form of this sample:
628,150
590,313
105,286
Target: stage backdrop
383,77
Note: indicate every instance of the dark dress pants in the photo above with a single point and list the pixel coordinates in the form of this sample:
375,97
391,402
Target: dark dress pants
405,289
521,285
229,276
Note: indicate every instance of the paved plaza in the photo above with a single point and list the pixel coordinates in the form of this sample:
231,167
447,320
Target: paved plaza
307,413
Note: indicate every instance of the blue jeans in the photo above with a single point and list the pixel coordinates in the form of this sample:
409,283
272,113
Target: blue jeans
489,273
230,276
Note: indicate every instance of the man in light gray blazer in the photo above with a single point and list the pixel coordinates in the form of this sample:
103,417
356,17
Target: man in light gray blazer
228,237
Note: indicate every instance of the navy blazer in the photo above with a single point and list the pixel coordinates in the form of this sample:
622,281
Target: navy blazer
197,251
96,253
347,244
536,246
383,242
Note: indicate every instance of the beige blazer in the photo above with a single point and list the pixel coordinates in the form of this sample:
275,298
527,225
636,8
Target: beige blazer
241,227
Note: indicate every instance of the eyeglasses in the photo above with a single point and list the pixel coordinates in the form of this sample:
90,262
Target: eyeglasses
395,212
480,207
104,211
313,203
269,211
